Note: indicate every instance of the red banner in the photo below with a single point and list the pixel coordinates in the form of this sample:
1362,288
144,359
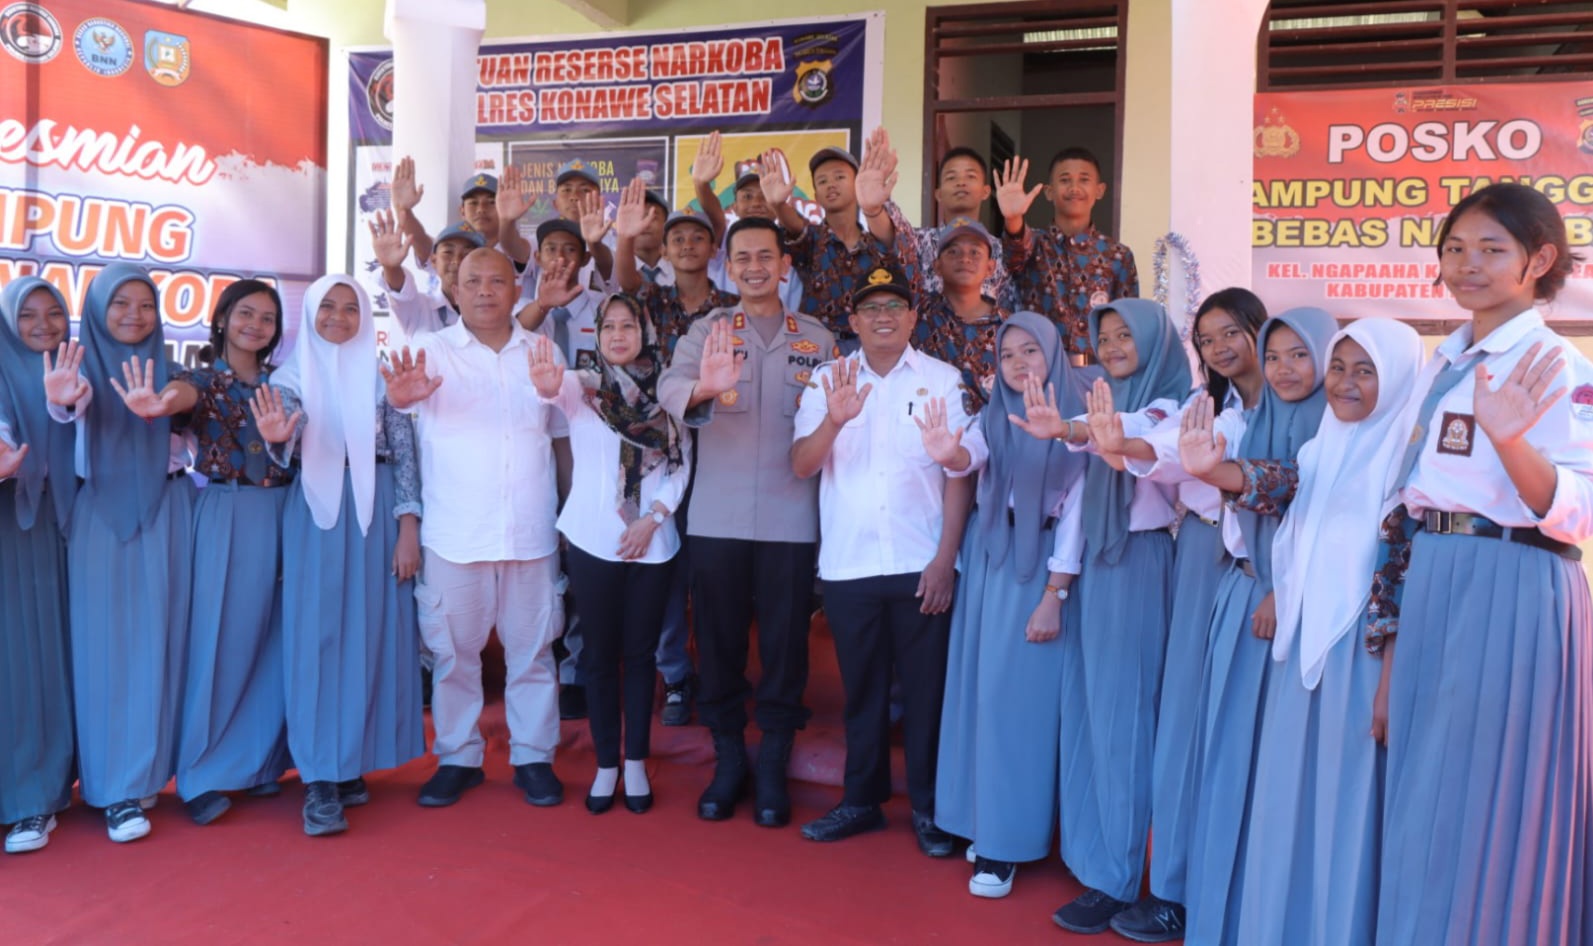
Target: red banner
1351,187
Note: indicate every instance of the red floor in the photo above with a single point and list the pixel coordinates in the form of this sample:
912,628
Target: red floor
492,868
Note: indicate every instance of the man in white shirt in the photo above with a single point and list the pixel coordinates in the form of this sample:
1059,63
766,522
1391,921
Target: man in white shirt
417,310
885,427
489,550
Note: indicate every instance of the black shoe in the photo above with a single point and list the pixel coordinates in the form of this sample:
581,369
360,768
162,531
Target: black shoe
323,812
451,781
931,840
1152,920
640,804
425,688
597,804
844,821
729,785
542,788
353,793
264,790
771,801
207,807
677,702
1090,912
572,701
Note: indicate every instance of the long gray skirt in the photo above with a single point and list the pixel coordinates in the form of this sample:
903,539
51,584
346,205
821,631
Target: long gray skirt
1490,760
1112,671
129,620
1311,864
999,728
350,641
234,719
36,742
1238,667
1198,562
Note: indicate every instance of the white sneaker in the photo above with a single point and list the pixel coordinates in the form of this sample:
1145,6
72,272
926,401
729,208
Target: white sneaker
30,834
125,821
972,857
992,879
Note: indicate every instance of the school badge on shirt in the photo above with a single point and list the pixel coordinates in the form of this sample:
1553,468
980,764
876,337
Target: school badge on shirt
1582,402
1455,434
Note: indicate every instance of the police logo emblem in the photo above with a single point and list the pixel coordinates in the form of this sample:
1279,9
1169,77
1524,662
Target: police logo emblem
812,86
379,94
879,277
730,397
103,47
30,33
166,57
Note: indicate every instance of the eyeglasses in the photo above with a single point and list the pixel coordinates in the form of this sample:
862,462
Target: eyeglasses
873,310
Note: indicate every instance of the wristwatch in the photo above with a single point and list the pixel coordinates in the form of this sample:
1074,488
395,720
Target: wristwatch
1061,593
658,517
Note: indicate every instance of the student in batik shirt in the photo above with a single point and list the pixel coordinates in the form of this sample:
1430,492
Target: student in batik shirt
688,246
961,189
957,323
1071,267
833,257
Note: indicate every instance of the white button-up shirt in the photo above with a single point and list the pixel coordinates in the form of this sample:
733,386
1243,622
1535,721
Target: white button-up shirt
486,452
881,497
1198,496
583,327
1458,469
418,311
590,519
1152,505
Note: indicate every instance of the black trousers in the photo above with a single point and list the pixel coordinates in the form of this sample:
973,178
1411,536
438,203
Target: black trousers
733,580
622,612
879,630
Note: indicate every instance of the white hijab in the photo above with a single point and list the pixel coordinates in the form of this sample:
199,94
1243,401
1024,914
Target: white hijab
340,389
1324,553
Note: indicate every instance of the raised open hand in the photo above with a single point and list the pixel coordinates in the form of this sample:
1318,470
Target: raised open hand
1042,421
404,192
273,422
514,195
388,244
710,160
1200,448
1011,198
1506,414
139,394
64,385
406,378
775,179
843,398
717,371
594,219
876,173
1106,424
631,220
943,444
547,373
558,285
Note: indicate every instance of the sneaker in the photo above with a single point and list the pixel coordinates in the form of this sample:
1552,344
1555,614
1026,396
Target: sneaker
992,879
125,821
1152,920
572,701
677,703
30,834
323,813
1090,912
542,788
844,821
451,781
353,793
207,807
931,840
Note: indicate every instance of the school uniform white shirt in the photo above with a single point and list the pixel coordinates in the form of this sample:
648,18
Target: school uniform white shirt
660,274
881,497
790,283
1198,496
1067,546
486,453
583,327
590,519
1458,469
1152,506
418,311
588,276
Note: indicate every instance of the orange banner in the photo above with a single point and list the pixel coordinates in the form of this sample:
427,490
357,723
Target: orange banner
1351,187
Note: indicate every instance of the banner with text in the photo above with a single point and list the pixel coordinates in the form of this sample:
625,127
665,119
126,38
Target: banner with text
192,145
1351,187
637,104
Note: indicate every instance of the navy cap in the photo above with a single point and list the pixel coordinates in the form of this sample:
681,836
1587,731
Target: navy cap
461,231
656,199
687,216
884,279
575,167
830,154
959,226
479,182
747,172
560,225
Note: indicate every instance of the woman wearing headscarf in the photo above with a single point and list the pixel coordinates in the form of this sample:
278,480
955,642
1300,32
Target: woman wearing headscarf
233,731
129,555
36,454
1294,347
350,642
1113,664
1315,821
996,781
631,468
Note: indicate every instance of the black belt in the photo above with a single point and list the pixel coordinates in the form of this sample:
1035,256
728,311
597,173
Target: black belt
1012,520
268,483
1247,566
176,475
379,459
1444,522
1210,522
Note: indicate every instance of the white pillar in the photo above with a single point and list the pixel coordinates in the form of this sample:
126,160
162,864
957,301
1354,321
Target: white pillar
434,95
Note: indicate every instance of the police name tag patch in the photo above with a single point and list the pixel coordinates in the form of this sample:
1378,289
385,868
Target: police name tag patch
1455,434
1582,402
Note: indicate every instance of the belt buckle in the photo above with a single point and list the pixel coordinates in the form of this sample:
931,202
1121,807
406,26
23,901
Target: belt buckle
1440,521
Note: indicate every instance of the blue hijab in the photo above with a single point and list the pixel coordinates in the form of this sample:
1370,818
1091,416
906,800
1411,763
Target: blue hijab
1034,473
50,457
1163,372
127,454
1279,428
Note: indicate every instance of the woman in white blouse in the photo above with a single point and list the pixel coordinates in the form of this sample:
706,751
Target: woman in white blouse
631,467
